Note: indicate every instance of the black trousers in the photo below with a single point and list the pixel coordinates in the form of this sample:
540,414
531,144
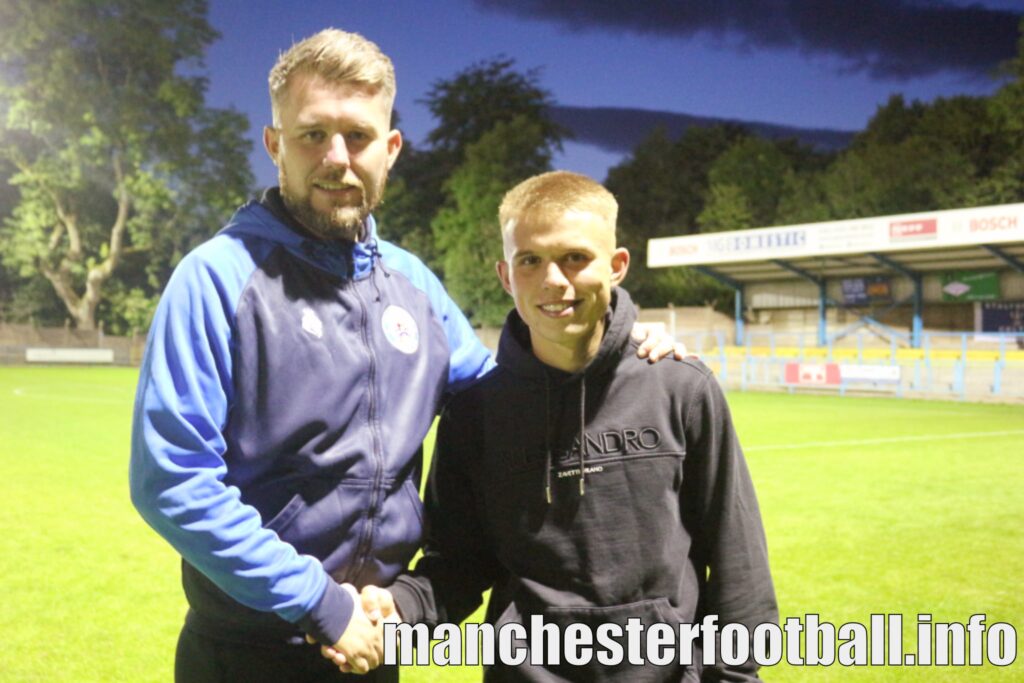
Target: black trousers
201,659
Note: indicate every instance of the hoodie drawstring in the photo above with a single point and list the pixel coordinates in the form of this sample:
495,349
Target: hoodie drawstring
547,438
583,435
376,257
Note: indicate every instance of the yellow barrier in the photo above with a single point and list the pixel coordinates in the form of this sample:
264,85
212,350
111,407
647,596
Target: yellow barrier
848,354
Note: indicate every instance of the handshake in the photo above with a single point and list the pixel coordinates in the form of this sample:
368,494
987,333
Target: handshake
361,647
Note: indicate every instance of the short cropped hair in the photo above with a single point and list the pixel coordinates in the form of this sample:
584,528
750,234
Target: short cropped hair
546,197
336,56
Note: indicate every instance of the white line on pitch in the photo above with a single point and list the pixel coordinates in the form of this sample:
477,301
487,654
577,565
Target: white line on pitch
882,440
72,399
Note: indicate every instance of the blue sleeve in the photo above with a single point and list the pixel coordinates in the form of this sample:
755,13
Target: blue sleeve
469,359
178,450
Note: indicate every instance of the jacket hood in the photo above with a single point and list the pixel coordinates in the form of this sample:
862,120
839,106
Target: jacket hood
515,352
268,219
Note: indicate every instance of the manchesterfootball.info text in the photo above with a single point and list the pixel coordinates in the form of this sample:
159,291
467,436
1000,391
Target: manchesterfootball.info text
806,641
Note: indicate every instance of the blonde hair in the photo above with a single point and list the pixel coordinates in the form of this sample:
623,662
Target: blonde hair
546,197
337,56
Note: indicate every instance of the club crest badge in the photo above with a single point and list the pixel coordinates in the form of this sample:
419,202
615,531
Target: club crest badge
400,329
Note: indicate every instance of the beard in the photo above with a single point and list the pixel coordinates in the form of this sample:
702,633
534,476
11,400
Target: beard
342,221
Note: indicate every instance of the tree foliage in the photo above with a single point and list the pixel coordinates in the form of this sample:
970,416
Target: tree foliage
467,232
466,106
119,164
661,190
745,184
1005,182
727,208
471,103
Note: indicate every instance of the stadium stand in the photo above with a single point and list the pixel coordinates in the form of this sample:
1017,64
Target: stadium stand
928,304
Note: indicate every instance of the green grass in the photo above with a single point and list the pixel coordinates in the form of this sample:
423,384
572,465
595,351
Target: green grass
871,505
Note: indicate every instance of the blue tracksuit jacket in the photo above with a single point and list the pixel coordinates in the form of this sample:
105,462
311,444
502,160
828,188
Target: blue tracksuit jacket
285,391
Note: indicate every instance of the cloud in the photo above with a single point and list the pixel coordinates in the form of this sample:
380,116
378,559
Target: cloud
887,39
620,130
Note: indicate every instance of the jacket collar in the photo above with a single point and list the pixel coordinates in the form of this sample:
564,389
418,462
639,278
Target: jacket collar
268,218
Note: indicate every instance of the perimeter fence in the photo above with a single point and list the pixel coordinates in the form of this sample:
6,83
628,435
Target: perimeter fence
27,343
947,365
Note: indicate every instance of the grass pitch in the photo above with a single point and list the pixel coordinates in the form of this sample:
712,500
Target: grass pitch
871,506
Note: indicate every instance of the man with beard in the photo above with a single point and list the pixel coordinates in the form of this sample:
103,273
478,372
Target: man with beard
294,365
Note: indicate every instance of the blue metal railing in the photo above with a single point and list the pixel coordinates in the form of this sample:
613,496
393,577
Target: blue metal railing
961,365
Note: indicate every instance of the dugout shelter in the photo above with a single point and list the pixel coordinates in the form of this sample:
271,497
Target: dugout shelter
869,266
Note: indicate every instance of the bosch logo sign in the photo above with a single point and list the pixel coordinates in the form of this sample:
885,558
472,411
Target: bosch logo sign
990,223
683,249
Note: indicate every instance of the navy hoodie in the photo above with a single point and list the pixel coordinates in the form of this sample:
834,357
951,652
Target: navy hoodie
614,492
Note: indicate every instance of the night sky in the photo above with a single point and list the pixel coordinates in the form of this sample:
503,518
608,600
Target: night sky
805,63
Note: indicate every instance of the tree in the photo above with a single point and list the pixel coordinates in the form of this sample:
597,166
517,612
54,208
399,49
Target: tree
803,198
759,183
746,182
917,157
727,208
119,164
661,190
466,107
1004,184
466,231
967,126
916,174
892,123
471,103
414,195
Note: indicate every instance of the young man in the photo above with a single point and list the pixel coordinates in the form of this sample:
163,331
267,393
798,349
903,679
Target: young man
293,368
577,482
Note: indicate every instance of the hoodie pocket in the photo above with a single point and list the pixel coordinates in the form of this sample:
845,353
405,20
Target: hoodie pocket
604,632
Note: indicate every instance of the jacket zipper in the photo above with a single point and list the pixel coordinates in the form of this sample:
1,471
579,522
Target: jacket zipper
366,540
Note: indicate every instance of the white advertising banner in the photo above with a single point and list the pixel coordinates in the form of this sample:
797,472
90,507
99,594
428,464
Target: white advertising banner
982,225
870,373
69,355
